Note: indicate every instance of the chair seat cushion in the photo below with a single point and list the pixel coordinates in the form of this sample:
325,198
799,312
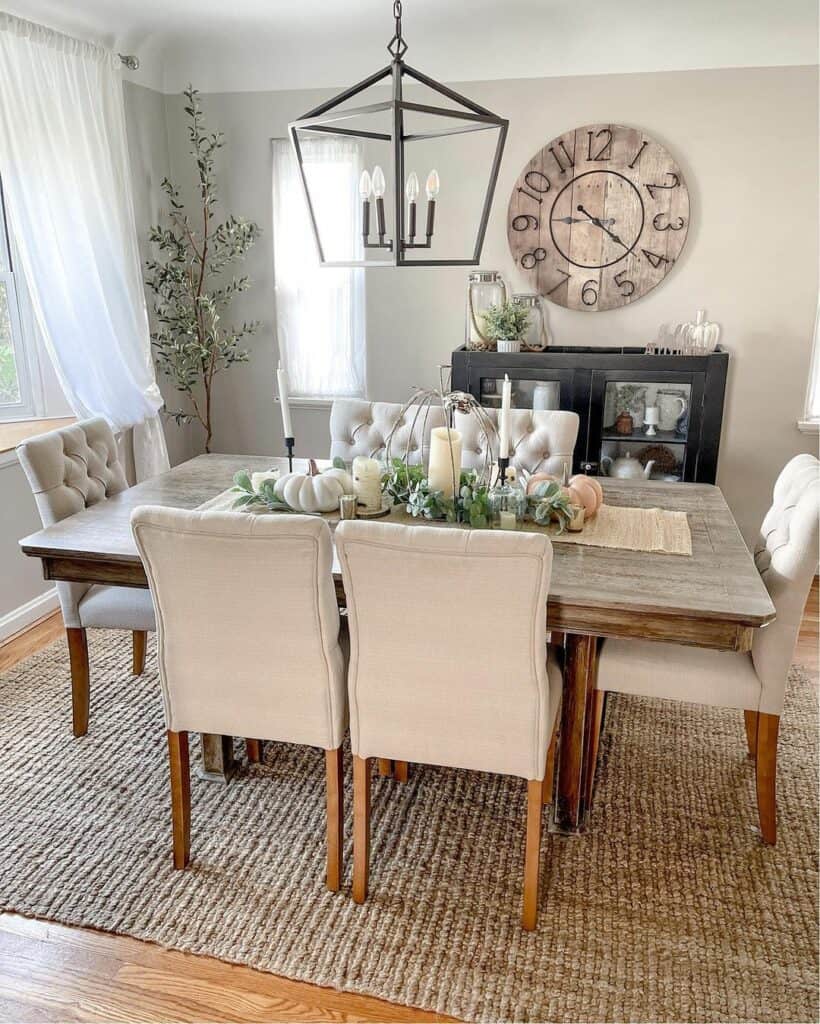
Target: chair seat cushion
105,607
651,669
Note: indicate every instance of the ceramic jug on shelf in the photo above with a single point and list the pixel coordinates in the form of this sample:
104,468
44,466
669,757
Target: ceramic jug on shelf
671,406
626,468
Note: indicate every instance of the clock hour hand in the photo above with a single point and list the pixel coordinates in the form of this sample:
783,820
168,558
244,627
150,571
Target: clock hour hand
600,224
582,220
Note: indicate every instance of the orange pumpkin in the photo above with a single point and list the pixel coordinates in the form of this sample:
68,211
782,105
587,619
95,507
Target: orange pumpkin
583,482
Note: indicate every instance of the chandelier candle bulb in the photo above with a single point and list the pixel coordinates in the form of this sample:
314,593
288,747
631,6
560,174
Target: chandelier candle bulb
364,192
378,191
432,190
367,483
412,192
444,467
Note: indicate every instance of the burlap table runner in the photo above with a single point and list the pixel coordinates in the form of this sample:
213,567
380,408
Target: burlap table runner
654,530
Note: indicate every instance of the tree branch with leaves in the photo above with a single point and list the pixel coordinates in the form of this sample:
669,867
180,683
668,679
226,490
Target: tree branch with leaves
190,278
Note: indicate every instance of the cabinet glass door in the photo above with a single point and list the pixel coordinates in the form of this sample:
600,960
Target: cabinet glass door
654,420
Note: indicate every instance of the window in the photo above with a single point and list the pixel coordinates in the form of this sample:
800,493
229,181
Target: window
811,419
320,312
16,398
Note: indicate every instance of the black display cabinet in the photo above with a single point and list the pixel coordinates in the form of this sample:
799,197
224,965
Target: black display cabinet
600,383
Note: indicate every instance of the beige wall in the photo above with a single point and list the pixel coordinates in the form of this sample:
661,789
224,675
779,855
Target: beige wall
747,141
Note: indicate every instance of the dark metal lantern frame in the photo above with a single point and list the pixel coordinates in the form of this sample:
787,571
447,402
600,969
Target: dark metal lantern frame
475,118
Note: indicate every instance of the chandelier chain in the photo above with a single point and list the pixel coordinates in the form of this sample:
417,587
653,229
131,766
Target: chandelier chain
397,47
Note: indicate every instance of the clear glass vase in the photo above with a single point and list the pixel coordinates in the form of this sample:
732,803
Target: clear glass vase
485,288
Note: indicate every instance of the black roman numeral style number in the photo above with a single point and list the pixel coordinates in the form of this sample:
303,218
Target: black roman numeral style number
652,189
562,169
605,151
627,287
536,182
654,258
658,225
637,156
529,259
525,222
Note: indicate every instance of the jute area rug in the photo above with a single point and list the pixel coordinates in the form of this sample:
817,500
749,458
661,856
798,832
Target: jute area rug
668,909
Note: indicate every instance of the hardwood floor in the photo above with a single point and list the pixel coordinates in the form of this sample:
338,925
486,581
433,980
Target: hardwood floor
49,972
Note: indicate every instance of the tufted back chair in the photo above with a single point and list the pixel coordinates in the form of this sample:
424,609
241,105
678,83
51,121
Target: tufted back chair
786,557
358,427
69,470
541,441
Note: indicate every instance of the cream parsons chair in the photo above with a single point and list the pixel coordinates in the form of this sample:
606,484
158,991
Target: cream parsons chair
541,441
248,642
449,663
786,557
69,470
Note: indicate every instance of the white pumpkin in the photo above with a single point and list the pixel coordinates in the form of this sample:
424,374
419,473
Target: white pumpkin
314,491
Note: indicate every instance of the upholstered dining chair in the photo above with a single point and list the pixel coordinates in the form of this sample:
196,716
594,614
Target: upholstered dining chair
422,690
753,682
540,441
69,470
249,642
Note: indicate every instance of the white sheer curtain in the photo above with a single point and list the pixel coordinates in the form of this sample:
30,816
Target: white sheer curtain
320,312
64,157
813,393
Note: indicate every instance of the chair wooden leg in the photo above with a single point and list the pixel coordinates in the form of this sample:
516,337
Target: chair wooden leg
751,732
548,785
766,775
253,750
400,771
361,827
385,767
597,714
532,855
334,770
80,679
180,796
139,643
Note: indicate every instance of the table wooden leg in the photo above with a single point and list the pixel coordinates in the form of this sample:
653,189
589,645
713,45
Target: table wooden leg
218,764
579,677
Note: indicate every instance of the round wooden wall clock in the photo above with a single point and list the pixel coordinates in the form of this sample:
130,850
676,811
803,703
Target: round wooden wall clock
598,217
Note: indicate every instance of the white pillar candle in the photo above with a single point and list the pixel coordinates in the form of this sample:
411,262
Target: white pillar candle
282,380
504,419
367,483
507,521
444,467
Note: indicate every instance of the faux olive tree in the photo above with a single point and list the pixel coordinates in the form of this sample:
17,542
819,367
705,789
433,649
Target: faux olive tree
193,286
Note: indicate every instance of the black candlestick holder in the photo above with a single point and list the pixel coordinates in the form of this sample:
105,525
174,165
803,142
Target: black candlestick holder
503,466
289,445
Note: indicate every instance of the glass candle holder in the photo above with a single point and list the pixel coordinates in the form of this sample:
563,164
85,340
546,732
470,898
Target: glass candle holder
347,506
507,504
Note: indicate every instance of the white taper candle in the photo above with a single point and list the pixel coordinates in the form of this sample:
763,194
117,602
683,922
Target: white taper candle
282,381
504,419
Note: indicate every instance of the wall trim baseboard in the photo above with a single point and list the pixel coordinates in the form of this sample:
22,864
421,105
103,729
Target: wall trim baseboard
27,614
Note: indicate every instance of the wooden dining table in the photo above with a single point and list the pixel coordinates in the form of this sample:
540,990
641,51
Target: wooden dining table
713,598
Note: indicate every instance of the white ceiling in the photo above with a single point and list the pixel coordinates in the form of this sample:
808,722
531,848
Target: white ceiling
234,45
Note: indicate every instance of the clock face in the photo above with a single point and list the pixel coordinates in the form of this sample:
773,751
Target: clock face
598,217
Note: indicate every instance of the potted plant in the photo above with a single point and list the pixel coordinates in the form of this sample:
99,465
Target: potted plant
506,325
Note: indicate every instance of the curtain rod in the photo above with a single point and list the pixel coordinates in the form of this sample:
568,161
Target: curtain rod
130,61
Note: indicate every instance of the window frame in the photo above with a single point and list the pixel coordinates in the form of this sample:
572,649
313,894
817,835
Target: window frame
21,339
313,400
810,423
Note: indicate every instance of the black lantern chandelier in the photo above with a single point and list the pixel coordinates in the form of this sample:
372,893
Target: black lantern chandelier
327,120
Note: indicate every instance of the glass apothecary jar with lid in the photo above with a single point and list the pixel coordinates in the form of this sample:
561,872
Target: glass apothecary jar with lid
485,288
536,339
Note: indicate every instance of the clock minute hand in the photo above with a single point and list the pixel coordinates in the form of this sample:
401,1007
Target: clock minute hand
581,220
600,224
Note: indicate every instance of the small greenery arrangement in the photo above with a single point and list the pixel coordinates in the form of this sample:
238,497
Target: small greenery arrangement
190,280
265,497
407,485
549,501
507,322
627,395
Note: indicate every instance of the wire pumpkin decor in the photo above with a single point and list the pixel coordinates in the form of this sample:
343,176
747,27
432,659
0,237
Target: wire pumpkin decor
421,401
